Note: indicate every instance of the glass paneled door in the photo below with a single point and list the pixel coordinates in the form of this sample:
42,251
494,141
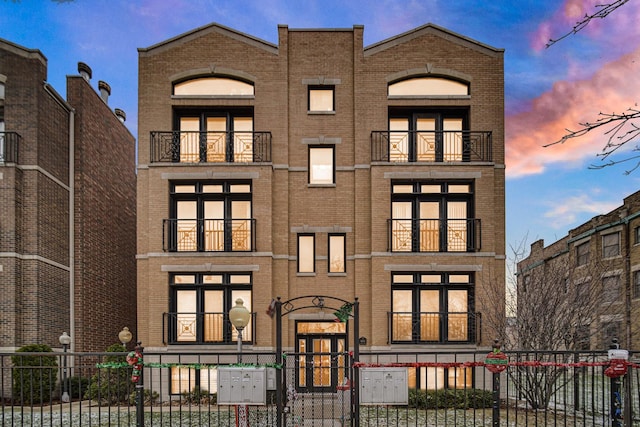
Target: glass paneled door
216,138
321,356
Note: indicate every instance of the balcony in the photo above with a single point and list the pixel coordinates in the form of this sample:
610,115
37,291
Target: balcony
434,327
431,146
9,147
209,235
210,147
203,328
434,235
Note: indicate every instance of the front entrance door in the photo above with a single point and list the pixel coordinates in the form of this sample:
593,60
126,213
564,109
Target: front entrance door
321,356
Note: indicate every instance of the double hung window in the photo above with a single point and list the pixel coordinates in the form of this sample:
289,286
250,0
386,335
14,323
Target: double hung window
582,253
432,217
610,245
434,307
200,305
211,216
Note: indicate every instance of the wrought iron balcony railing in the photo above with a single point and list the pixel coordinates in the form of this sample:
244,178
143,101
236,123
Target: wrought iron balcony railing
434,327
431,146
434,235
210,147
203,328
209,235
9,147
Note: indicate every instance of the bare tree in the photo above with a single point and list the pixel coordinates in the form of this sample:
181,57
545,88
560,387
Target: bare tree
553,310
619,127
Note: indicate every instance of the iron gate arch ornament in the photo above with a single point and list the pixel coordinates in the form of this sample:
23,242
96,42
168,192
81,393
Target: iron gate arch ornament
343,310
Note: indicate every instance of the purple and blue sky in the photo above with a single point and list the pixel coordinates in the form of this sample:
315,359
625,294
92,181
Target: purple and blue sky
549,190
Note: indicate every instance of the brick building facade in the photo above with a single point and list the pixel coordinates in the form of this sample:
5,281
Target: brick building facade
596,266
67,209
314,169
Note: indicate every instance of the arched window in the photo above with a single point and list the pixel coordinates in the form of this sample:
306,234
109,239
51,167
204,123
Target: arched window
428,86
221,86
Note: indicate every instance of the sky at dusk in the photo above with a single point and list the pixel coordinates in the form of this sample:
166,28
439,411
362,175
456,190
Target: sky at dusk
549,190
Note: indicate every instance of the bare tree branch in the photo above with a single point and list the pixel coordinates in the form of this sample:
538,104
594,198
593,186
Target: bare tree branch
621,130
602,11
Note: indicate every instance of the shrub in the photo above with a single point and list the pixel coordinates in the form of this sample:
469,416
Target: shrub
34,376
111,385
450,399
150,397
199,396
78,387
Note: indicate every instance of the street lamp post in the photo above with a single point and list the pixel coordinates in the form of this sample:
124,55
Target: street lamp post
125,337
239,317
65,340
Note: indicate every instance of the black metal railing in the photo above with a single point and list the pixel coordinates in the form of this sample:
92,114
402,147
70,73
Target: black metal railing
210,147
434,235
431,146
445,388
9,142
204,328
434,327
209,235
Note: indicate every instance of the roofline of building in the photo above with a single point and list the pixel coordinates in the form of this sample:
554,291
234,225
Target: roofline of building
570,240
372,49
209,28
25,52
430,28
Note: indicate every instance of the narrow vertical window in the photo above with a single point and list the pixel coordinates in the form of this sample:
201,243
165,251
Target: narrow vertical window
321,165
306,253
610,245
636,284
582,254
337,255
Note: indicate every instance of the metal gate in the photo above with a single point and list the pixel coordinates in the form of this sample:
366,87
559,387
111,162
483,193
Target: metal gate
314,387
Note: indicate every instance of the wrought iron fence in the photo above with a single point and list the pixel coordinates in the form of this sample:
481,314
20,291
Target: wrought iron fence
444,388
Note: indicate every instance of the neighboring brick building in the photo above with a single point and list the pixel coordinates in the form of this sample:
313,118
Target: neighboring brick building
67,209
319,167
595,267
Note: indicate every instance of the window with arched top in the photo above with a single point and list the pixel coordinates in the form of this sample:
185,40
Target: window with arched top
428,86
220,86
